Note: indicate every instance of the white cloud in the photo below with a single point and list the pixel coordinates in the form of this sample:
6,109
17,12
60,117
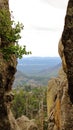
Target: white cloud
43,25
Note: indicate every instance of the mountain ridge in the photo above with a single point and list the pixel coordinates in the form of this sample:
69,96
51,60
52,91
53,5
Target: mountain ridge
36,70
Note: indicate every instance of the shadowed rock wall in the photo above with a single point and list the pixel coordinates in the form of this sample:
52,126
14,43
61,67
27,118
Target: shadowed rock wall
7,71
60,89
67,41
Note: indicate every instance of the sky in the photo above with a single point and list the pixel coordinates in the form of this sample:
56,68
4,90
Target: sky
43,22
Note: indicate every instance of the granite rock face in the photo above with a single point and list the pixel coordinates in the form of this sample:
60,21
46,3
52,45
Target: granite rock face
55,94
67,41
60,89
7,71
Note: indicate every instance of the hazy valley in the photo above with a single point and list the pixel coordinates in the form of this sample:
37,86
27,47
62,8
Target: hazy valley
36,71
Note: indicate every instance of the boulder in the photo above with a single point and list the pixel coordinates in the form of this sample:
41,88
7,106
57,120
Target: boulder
25,124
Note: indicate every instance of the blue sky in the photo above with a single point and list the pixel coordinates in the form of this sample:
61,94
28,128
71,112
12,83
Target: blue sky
43,24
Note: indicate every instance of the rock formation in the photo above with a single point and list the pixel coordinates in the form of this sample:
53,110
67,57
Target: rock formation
60,89
67,41
25,124
7,71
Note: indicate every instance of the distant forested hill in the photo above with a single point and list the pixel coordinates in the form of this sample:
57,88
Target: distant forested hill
36,70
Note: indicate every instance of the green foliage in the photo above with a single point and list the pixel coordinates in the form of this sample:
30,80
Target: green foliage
27,102
18,104
14,49
9,31
10,34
